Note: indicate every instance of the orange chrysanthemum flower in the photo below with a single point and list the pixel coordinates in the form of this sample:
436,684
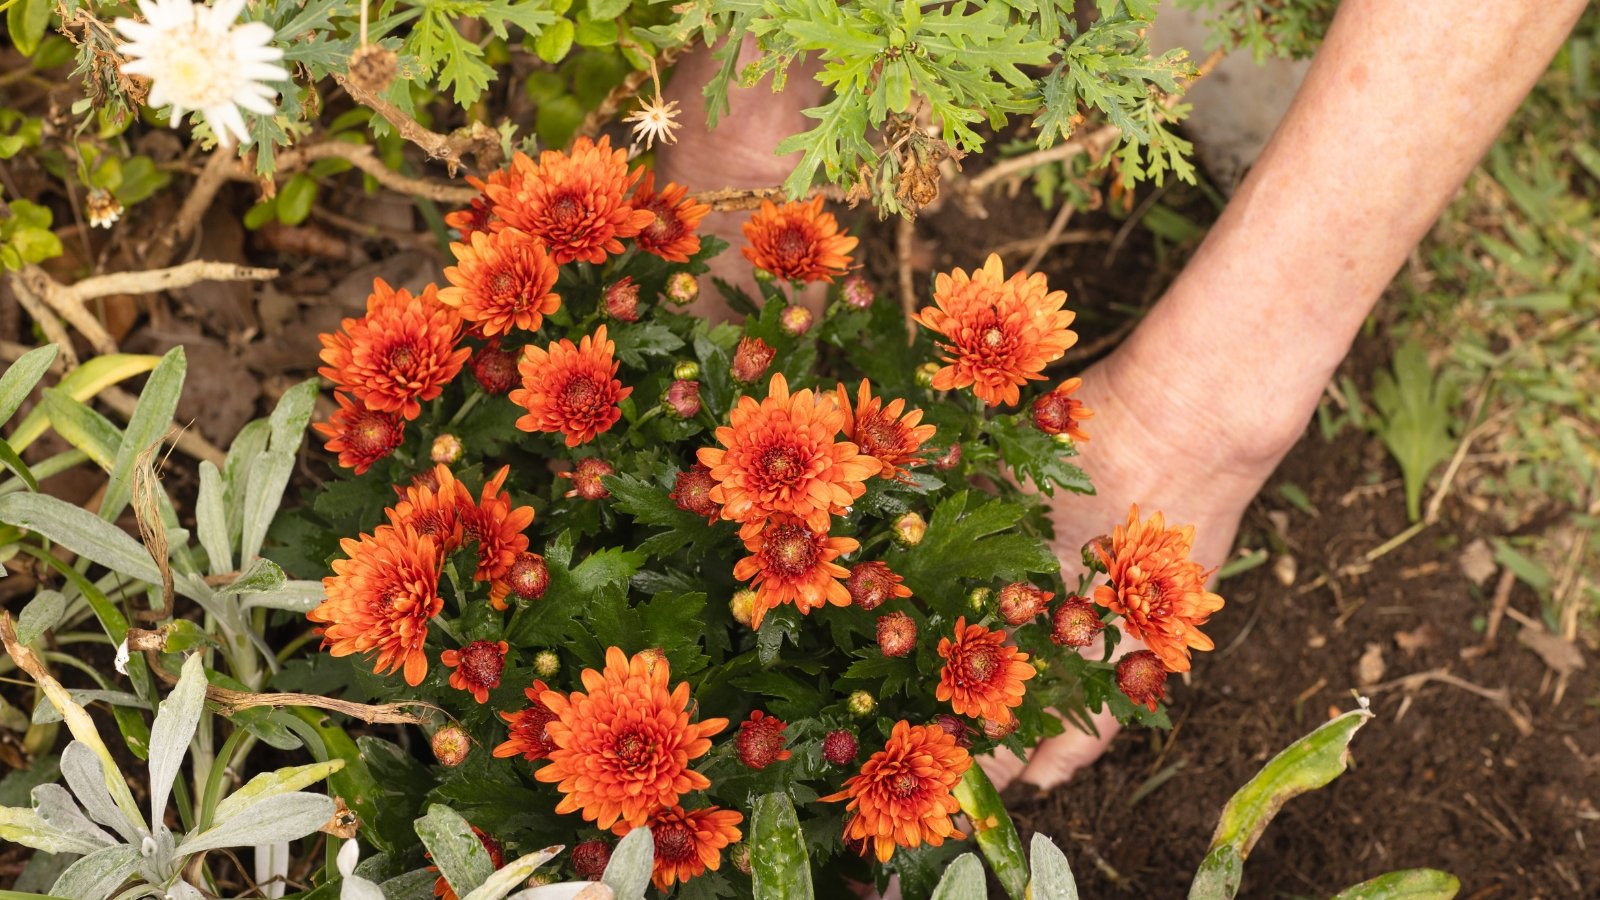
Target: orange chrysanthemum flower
903,794
381,597
789,562
479,214
359,435
575,204
672,235
982,677
881,432
477,667
688,842
501,281
571,389
1157,589
529,737
797,241
781,458
623,748
498,527
999,333
431,505
402,352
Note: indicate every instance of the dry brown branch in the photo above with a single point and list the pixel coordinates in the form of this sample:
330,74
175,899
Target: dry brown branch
219,165
733,199
627,90
436,145
154,281
1500,697
364,158
1094,143
34,280
1056,227
1074,236
905,235
230,701
53,330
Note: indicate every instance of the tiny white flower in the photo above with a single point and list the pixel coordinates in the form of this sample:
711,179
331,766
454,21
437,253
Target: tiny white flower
654,119
198,59
104,208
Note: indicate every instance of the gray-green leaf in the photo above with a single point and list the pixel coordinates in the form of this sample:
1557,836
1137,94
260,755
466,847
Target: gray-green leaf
40,615
98,875
962,881
1052,875
457,852
286,817
628,873
174,727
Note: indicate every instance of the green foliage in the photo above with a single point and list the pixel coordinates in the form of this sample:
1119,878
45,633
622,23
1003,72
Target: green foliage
1415,419
25,235
1285,29
962,64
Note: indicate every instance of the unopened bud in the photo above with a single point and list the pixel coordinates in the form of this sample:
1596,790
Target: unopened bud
978,599
682,399
590,858
857,292
682,288
451,746
446,449
622,300
1143,678
1092,553
897,634
586,479
688,370
1021,602
925,373
739,855
743,606
956,728
999,729
546,664
795,320
909,529
529,577
495,369
750,360
839,747
1074,623
861,704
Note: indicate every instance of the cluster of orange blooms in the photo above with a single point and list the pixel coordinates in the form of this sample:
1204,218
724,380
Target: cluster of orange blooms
783,468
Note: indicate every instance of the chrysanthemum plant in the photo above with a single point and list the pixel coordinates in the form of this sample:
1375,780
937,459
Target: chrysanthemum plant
910,88
650,567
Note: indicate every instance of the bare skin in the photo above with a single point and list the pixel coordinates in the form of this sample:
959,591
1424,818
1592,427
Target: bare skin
1195,410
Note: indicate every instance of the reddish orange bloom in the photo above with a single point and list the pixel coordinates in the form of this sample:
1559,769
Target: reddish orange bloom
529,737
359,435
903,794
624,743
881,432
797,241
672,235
432,506
402,352
575,203
1157,589
1059,413
477,667
497,858
791,563
501,281
479,214
688,842
781,458
982,677
381,597
571,389
999,333
497,526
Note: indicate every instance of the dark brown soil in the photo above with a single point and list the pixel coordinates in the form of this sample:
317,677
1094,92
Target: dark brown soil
1442,778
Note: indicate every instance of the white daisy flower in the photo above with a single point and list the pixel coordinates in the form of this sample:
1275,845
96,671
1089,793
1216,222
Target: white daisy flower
198,59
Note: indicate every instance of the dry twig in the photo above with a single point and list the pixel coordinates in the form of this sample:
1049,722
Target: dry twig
363,157
436,145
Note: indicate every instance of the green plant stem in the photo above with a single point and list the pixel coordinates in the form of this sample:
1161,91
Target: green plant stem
466,407
219,768
288,650
180,796
69,660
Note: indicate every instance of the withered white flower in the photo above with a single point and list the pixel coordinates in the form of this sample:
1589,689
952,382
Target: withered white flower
654,119
198,59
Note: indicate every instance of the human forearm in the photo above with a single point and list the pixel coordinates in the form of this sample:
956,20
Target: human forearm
1402,101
